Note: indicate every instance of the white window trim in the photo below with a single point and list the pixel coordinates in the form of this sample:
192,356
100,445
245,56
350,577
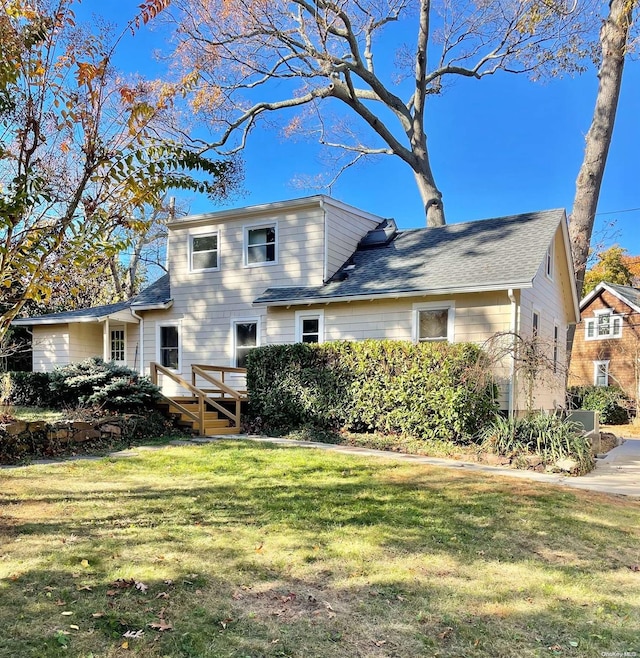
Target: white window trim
234,322
594,321
191,252
245,246
549,261
536,311
122,328
596,365
448,305
169,323
302,315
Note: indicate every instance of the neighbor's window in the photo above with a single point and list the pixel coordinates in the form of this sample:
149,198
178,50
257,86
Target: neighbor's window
169,347
604,325
245,339
260,245
601,373
433,323
204,252
309,327
117,345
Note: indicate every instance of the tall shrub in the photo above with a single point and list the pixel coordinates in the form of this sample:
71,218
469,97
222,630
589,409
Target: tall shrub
429,390
26,389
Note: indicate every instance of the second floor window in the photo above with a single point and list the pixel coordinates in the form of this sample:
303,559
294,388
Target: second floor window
260,245
604,325
204,252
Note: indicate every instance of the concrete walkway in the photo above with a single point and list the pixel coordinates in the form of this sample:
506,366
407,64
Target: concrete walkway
618,473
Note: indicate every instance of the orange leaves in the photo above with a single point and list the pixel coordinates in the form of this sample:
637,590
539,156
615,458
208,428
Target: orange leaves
149,10
87,72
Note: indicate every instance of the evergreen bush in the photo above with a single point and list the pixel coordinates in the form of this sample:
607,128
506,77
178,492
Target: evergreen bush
26,389
610,401
428,390
96,383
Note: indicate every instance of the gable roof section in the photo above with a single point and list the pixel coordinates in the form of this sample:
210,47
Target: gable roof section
490,254
626,294
155,296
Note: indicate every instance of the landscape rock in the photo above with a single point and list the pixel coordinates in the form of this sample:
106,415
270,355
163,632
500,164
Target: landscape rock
111,429
567,465
496,460
15,428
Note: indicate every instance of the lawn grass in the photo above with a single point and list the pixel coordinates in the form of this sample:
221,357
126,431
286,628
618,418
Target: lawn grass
251,550
31,414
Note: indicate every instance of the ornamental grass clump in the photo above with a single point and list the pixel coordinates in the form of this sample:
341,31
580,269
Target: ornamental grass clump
549,437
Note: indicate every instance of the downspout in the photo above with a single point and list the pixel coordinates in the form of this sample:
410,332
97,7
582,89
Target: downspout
140,339
325,264
512,369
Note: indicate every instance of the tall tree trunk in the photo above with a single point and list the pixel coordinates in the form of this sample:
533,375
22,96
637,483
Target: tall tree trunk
613,41
431,198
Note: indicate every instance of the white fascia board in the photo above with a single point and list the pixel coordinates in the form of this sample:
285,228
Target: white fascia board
158,306
572,275
250,211
603,286
395,295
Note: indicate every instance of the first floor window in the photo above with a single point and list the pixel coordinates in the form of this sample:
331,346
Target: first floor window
245,339
309,326
535,325
117,345
601,373
169,347
260,245
433,322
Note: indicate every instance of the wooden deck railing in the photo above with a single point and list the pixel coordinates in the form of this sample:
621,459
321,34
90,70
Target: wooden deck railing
220,391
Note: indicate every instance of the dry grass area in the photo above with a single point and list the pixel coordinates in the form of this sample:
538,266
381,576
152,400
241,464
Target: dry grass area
630,431
249,550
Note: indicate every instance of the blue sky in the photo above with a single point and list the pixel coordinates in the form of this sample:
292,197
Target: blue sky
500,145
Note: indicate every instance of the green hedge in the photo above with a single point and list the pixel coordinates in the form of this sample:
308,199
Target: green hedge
26,389
428,390
610,401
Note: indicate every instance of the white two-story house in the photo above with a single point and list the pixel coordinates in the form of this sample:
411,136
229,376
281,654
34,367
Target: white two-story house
316,269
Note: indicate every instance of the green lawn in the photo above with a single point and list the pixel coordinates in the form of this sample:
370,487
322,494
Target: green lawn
248,550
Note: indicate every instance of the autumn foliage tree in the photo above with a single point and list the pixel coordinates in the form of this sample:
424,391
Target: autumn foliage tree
81,147
244,60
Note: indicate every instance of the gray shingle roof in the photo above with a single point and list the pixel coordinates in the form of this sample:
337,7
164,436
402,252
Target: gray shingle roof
632,295
157,293
485,254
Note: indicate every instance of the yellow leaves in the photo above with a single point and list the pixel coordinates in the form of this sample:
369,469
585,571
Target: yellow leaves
87,72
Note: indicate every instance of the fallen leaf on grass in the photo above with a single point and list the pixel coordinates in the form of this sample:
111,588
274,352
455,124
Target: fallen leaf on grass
74,627
135,635
379,643
635,567
84,588
96,615
48,588
61,602
112,592
259,548
224,622
162,595
67,613
84,563
445,633
141,586
124,645
161,626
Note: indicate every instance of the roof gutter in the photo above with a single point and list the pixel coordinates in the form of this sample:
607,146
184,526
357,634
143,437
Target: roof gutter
158,306
391,295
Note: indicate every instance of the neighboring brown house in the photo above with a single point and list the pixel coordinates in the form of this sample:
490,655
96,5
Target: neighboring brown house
606,347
